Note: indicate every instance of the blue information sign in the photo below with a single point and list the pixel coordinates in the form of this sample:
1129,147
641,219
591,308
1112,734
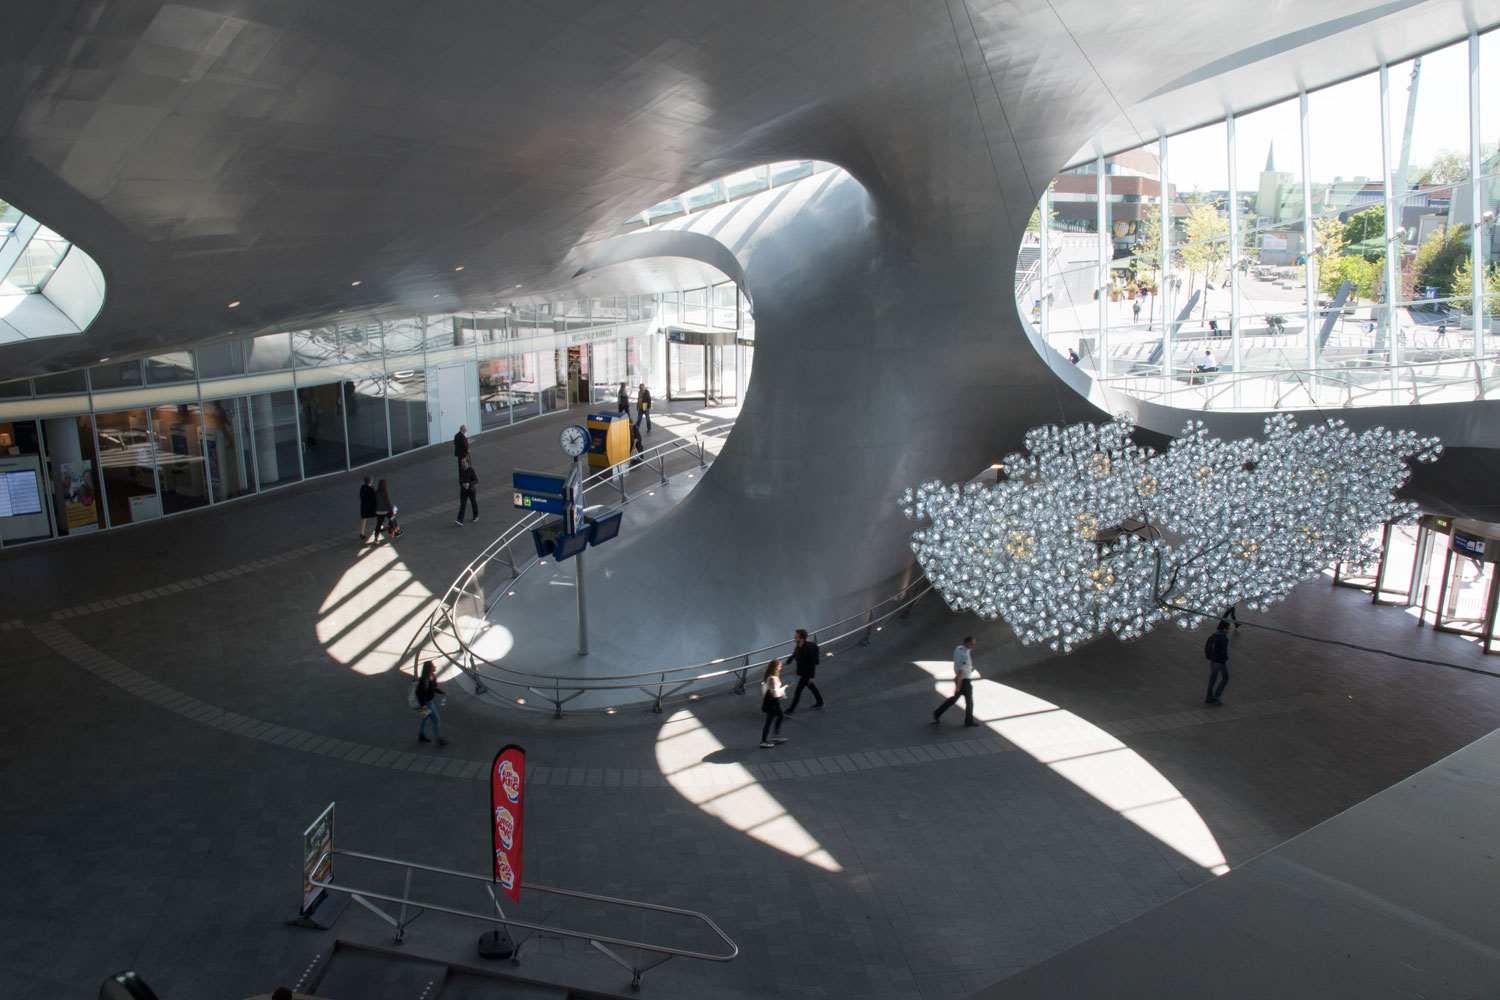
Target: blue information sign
538,491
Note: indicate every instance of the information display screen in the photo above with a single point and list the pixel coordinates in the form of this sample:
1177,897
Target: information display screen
19,494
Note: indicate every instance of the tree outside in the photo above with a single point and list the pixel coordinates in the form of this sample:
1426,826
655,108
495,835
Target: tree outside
1364,227
1436,263
1463,288
1206,248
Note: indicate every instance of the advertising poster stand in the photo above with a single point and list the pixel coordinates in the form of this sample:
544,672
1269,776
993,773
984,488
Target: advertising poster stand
507,802
320,909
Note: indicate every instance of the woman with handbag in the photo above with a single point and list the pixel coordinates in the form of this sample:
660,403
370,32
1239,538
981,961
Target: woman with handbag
427,692
772,691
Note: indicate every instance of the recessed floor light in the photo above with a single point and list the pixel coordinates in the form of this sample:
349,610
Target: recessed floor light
234,304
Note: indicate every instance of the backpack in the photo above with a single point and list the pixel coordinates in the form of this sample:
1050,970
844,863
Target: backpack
411,697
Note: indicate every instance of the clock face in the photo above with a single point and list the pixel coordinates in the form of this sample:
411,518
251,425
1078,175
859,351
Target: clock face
574,440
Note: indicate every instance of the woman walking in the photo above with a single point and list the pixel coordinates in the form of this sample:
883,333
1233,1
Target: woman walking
427,692
772,691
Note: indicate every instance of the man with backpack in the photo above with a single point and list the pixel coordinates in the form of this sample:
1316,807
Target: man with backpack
1217,651
806,656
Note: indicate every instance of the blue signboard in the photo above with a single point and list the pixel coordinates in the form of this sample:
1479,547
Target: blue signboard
1467,545
538,491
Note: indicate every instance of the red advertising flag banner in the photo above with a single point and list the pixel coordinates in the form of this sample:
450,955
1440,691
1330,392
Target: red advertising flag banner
507,798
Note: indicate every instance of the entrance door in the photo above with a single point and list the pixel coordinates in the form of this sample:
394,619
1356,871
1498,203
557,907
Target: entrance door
685,371
449,406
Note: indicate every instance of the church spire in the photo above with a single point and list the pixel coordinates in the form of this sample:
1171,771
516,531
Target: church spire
1271,158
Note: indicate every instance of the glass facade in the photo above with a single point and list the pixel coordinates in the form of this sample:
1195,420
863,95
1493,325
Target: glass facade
1338,248
187,430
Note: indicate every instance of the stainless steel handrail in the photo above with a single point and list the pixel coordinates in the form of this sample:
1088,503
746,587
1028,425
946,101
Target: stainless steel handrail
597,941
442,631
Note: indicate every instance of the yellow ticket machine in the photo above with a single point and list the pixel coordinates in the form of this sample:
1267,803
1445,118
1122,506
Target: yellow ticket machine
609,439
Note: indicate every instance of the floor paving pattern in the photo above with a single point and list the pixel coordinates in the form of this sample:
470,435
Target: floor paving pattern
165,751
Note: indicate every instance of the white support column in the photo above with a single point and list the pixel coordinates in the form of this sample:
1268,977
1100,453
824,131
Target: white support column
1234,262
1476,203
1102,187
1392,246
1043,269
1312,276
1164,290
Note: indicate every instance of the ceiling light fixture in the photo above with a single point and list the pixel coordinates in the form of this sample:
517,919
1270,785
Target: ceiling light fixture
459,268
235,304
353,283
1091,533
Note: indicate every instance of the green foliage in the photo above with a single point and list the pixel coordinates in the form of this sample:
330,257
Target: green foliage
1463,286
1364,226
1365,274
1437,262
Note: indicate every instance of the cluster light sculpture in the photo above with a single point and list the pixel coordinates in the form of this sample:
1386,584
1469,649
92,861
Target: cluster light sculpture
1091,533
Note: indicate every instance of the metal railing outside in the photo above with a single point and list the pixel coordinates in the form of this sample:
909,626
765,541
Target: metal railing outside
1351,384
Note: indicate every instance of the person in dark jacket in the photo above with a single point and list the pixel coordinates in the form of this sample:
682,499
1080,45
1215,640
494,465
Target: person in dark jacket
805,656
366,505
382,507
1217,651
427,692
467,480
643,407
461,443
622,401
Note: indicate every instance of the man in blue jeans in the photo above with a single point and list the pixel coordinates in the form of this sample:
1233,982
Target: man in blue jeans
1217,651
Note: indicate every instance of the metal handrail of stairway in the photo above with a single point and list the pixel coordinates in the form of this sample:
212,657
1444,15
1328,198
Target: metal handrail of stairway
441,636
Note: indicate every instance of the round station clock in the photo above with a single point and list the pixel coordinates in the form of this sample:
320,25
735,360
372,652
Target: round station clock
574,440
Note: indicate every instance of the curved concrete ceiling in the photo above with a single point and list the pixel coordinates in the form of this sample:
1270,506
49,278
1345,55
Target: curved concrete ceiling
274,153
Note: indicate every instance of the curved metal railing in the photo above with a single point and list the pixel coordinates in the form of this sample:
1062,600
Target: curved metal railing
468,601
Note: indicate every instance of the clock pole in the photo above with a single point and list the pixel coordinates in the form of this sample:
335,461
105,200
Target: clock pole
575,510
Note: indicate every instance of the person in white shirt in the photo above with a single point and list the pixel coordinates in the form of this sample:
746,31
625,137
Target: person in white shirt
963,683
1208,363
771,693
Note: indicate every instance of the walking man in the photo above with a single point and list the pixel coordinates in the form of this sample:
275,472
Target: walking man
467,480
963,683
643,407
805,655
622,401
1217,651
366,504
461,444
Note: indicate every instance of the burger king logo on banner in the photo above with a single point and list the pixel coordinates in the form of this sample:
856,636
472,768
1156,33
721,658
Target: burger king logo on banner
510,781
503,871
505,826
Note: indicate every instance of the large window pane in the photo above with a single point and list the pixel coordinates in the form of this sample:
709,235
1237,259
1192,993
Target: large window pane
1348,196
274,416
179,457
127,461
364,413
311,348
1429,163
116,375
322,413
223,359
406,395
73,471
165,369
15,389
231,466
61,383
271,353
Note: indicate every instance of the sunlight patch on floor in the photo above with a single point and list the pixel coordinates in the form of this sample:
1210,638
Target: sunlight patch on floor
368,617
728,792
1093,760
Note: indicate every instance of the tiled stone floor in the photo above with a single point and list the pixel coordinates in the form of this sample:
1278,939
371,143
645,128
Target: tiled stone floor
164,752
